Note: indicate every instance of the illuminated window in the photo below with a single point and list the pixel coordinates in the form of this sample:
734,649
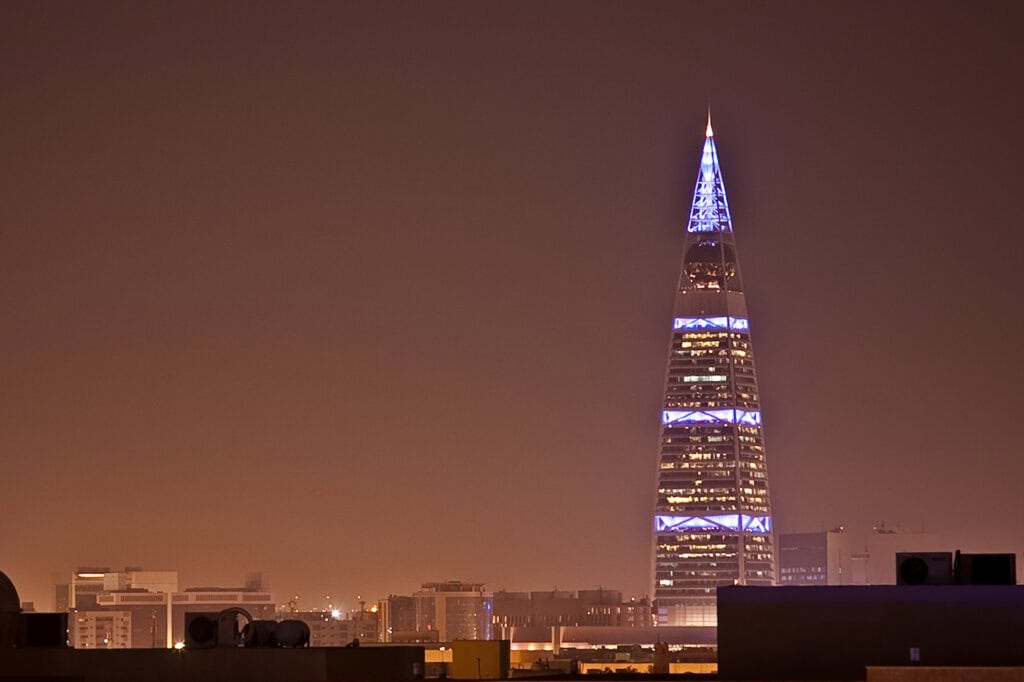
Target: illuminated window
693,378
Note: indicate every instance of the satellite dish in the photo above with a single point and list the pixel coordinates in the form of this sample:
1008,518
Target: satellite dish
924,568
913,571
209,630
260,633
292,634
229,629
200,631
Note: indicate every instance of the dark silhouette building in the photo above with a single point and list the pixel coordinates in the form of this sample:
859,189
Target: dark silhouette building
836,633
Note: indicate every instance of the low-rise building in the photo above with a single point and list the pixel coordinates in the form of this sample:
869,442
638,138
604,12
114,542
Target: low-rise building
398,619
101,629
138,609
454,609
257,602
332,628
118,609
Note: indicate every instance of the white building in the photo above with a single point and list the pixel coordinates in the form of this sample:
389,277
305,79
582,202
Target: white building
843,557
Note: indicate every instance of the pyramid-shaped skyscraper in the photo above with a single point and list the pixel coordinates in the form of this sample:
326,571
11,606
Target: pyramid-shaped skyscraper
712,523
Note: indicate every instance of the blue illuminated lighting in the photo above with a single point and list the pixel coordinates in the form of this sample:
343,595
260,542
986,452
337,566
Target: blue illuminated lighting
730,522
757,524
721,416
710,209
740,324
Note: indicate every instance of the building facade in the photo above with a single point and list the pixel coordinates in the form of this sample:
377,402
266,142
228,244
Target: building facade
325,629
712,521
118,609
96,629
148,616
398,620
86,583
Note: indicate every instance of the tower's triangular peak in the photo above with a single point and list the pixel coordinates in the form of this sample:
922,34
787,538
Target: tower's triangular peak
709,131
710,209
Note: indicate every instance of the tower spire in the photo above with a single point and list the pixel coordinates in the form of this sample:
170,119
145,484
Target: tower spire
709,211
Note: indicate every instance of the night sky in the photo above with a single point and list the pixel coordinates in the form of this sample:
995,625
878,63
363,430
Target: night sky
365,295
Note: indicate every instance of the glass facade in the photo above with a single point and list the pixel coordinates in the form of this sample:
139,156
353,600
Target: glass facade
712,521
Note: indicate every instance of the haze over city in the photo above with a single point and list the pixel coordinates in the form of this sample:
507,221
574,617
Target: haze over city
368,294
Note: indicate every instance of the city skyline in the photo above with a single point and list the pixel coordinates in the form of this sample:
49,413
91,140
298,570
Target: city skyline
364,295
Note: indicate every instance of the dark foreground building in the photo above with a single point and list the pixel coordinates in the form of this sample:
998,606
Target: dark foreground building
322,664
712,521
34,647
836,633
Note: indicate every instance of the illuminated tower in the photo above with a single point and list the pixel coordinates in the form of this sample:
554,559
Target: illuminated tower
712,519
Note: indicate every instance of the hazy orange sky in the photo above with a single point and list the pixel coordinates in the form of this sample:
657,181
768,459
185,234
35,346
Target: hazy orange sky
369,294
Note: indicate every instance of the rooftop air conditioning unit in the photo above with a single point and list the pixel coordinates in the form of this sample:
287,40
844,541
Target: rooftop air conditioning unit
986,569
924,568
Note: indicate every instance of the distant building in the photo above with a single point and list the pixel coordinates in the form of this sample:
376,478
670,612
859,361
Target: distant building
148,616
96,629
117,609
363,624
62,597
606,607
842,557
557,608
325,629
833,633
512,610
454,609
86,583
398,621
138,609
